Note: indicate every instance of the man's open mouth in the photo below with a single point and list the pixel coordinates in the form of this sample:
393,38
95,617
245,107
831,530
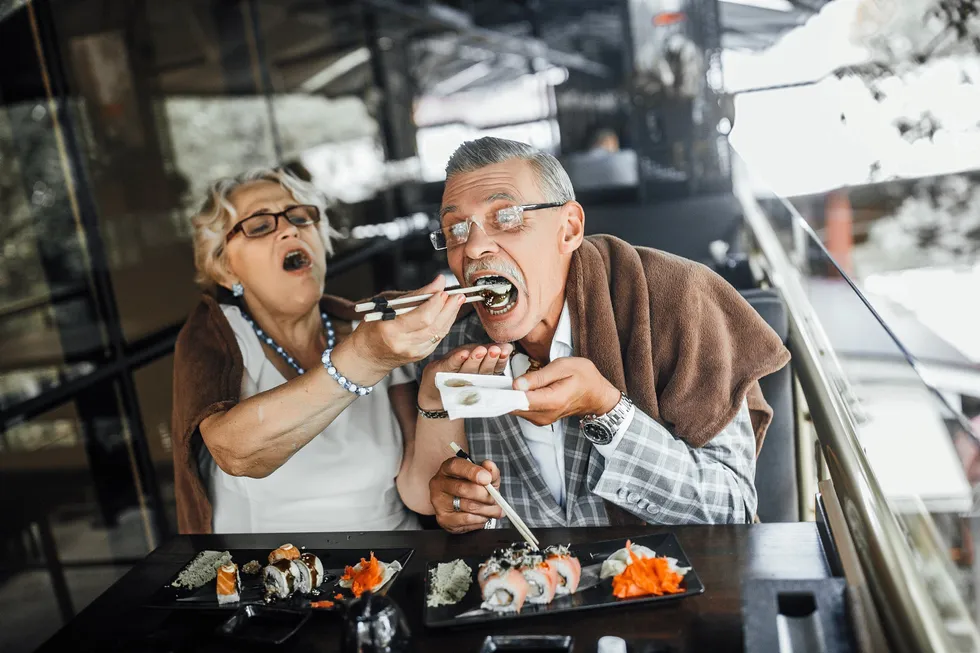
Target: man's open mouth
295,260
495,301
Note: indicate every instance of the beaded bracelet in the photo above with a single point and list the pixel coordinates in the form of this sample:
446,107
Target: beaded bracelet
344,382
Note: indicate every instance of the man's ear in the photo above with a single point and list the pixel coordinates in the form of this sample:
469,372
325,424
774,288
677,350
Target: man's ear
573,227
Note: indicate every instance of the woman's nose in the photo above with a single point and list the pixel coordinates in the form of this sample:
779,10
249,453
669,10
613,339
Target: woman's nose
287,229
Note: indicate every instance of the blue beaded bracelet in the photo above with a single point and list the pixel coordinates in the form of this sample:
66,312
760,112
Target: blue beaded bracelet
344,382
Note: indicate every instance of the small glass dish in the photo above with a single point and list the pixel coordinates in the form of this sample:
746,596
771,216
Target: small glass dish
528,644
263,624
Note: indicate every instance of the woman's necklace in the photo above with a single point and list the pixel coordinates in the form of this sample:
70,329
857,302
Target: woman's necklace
327,326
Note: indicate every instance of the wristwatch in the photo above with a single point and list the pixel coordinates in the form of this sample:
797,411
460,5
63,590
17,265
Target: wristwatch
600,429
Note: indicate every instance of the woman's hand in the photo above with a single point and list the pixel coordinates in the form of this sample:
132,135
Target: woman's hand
410,337
469,359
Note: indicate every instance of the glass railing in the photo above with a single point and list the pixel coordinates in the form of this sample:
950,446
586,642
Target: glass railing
893,425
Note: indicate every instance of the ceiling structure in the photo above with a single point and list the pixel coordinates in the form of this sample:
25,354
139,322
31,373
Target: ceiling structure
320,47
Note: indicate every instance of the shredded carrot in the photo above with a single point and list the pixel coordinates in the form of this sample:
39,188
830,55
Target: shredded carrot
339,597
368,577
321,604
646,576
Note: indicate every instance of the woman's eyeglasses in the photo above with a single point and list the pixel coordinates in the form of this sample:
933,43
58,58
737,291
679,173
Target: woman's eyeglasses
263,224
499,221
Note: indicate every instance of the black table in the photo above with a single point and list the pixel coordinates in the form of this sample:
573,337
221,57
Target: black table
723,556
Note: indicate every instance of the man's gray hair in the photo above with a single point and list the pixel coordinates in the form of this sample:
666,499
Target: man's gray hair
474,155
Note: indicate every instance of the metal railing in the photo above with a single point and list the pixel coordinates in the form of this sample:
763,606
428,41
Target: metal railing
908,612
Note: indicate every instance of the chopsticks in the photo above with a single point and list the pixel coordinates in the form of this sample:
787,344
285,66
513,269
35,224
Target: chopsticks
385,310
510,512
391,313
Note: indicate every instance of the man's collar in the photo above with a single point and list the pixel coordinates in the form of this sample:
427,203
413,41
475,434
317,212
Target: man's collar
563,332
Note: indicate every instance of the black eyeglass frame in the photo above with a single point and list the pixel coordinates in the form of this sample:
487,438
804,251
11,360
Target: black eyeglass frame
275,227
434,236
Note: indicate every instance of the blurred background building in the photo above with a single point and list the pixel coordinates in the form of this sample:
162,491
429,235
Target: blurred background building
853,124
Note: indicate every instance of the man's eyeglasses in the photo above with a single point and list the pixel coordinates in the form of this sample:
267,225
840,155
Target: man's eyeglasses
505,219
263,224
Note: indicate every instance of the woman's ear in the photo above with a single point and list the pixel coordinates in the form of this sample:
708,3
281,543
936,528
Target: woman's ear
573,227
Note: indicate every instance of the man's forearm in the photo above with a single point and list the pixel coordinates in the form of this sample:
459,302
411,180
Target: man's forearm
663,480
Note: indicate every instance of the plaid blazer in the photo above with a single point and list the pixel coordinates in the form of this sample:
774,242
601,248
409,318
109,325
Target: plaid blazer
651,474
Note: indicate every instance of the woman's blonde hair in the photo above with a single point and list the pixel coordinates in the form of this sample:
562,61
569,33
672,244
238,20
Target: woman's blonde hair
212,221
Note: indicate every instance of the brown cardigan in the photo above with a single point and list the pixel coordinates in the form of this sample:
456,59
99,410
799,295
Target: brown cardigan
673,335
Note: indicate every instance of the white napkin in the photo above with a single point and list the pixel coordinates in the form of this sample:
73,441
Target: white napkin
479,395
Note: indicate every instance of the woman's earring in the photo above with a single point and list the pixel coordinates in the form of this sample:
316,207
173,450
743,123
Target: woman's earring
237,289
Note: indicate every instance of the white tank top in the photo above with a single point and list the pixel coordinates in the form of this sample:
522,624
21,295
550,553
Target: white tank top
342,480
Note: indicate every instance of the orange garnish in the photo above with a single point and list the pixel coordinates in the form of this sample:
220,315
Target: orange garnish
321,604
368,577
646,576
339,597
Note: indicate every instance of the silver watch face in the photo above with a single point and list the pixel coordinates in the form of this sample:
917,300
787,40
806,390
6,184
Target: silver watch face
596,432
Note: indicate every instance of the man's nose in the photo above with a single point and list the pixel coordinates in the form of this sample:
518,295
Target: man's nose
478,244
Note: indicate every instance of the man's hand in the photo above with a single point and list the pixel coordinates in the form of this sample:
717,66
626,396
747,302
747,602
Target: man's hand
458,477
469,359
568,386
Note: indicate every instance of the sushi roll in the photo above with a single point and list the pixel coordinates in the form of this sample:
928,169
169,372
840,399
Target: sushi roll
311,562
229,584
284,552
542,580
568,568
504,590
280,579
303,577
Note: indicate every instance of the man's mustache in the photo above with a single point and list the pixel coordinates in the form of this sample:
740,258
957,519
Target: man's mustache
502,268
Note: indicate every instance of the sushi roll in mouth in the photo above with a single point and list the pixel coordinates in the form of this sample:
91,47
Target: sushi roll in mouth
229,584
311,562
284,552
280,579
501,298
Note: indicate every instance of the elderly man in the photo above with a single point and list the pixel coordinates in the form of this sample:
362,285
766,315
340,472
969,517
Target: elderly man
636,364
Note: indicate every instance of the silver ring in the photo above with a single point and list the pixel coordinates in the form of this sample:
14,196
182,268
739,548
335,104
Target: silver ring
434,339
491,524
456,507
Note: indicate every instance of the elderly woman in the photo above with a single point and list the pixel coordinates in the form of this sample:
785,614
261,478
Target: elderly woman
288,415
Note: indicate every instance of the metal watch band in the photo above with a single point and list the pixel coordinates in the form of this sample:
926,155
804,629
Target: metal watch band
608,423
432,414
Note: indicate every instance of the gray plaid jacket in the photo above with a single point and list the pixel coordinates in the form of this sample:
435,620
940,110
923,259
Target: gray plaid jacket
652,474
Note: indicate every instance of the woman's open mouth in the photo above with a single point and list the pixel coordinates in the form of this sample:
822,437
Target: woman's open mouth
295,260
494,301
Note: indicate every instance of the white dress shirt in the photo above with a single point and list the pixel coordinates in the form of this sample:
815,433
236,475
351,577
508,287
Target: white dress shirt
547,443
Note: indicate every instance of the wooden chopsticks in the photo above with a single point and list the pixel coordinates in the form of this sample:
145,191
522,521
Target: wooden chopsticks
510,512
384,309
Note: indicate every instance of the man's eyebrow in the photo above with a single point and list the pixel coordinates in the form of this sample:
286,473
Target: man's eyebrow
447,209
501,196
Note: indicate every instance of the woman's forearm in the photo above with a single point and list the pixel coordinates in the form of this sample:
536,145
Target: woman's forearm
261,433
432,438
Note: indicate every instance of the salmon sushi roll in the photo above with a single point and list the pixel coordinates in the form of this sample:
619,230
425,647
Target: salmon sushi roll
504,590
568,568
542,581
229,584
285,552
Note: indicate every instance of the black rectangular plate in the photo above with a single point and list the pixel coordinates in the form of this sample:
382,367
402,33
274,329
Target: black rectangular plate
600,596
334,561
262,624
